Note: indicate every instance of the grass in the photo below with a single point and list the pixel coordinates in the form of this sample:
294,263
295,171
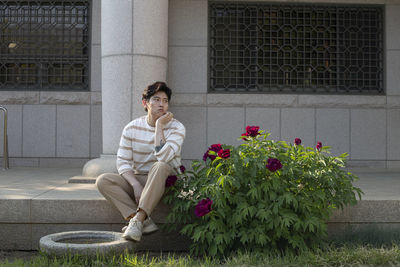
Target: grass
334,255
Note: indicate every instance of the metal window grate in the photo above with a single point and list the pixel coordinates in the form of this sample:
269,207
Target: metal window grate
295,48
44,45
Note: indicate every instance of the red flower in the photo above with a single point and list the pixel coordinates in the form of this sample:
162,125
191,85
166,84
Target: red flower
273,164
171,180
244,135
297,141
212,157
205,156
203,207
252,131
319,146
215,147
224,153
182,168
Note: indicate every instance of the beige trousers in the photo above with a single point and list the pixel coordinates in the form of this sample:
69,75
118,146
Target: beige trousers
120,193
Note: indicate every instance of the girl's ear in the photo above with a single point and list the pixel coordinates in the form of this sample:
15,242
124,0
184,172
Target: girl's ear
144,103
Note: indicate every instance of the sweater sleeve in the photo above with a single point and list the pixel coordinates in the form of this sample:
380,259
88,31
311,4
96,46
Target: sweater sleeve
124,154
173,144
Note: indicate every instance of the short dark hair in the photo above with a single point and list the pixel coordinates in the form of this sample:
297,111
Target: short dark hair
152,89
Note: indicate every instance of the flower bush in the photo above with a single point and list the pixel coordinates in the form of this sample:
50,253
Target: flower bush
260,195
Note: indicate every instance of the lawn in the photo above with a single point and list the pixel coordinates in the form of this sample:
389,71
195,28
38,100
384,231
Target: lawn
334,255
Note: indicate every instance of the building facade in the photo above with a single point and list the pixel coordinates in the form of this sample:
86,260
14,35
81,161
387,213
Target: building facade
216,55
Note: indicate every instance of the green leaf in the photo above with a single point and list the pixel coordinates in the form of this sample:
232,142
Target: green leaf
253,193
272,195
213,250
219,239
209,172
261,239
243,237
218,166
221,180
187,229
197,235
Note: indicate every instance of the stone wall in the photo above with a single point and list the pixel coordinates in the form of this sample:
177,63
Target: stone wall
367,127
57,128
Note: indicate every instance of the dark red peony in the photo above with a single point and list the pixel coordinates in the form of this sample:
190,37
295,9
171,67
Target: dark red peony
215,148
319,146
224,153
297,141
205,156
244,136
273,164
182,168
203,207
252,131
171,180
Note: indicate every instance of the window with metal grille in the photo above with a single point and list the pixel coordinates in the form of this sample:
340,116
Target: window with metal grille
295,48
44,45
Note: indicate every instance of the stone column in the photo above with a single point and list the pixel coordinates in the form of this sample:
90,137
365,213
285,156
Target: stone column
134,39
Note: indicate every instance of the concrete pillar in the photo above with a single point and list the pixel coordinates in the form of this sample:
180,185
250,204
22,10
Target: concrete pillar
134,54
150,47
134,49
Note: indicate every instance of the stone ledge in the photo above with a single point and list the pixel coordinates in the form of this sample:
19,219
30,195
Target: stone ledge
393,2
369,211
255,100
51,216
282,100
393,164
393,101
97,209
15,236
211,99
15,210
50,98
82,180
14,97
367,233
89,211
95,98
349,101
62,98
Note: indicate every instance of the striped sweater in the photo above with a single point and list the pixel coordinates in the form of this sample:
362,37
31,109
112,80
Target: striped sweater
136,149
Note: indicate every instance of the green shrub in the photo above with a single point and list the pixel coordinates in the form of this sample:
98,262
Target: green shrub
261,195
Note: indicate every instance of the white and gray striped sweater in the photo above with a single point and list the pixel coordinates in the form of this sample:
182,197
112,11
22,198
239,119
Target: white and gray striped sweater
136,149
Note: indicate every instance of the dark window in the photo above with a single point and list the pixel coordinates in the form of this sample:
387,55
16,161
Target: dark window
44,45
295,48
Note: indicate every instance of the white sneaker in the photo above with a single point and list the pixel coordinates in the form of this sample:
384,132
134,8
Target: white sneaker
134,230
148,226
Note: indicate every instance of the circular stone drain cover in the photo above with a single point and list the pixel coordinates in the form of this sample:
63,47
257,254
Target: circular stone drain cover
89,243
